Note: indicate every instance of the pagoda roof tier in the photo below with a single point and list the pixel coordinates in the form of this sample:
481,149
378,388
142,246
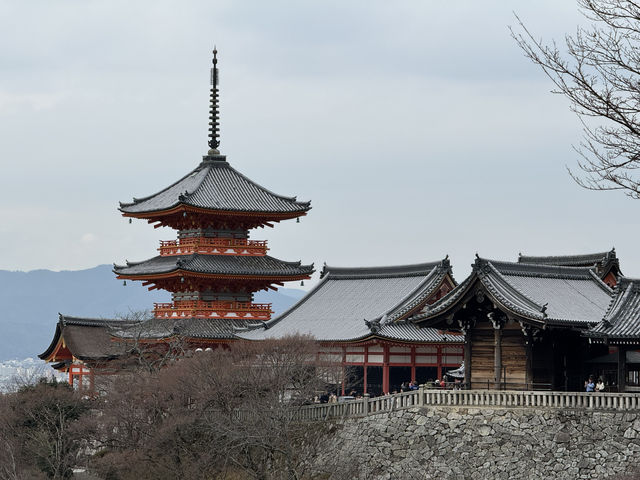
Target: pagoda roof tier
621,323
353,304
263,270
216,189
536,293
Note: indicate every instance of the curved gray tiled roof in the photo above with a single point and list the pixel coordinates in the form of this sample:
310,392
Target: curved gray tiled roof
337,307
585,260
215,185
87,338
216,264
622,320
543,293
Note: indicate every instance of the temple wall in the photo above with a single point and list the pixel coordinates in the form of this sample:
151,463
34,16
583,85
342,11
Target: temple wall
471,443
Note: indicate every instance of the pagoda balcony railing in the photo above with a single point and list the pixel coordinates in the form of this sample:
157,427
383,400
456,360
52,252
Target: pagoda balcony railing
213,246
216,309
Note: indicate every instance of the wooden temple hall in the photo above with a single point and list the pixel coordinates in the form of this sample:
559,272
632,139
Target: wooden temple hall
544,323
535,323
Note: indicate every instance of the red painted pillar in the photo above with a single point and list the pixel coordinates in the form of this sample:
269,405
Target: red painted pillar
71,375
366,357
439,362
385,369
413,364
344,367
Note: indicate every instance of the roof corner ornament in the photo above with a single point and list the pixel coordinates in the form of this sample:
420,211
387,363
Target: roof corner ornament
323,272
543,310
445,264
214,115
373,325
480,265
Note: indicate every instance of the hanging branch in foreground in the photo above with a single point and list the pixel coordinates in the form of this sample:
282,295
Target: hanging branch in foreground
600,74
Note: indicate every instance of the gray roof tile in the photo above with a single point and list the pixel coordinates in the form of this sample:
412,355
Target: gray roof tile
215,185
336,309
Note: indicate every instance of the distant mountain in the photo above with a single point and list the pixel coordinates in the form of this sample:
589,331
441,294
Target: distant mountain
31,302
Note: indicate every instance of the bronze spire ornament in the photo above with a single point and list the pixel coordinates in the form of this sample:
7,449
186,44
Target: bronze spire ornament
214,115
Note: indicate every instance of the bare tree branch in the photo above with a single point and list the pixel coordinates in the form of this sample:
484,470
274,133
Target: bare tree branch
599,72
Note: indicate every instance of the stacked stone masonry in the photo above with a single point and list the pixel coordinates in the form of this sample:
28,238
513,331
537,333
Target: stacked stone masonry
485,443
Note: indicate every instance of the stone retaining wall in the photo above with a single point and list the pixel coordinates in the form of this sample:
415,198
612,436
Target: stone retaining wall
485,443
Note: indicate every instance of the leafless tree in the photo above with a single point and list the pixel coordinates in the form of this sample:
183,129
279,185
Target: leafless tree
41,431
226,412
598,70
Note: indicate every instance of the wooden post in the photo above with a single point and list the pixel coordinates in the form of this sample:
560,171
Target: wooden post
413,364
364,378
385,369
497,355
467,357
622,368
528,375
344,369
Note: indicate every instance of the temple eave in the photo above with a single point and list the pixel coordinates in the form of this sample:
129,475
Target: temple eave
182,208
213,276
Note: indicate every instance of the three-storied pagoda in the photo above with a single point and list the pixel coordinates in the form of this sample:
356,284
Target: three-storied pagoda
212,269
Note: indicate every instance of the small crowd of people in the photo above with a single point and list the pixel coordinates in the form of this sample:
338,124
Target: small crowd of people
408,386
590,385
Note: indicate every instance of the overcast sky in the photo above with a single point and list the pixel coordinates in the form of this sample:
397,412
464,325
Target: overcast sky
417,129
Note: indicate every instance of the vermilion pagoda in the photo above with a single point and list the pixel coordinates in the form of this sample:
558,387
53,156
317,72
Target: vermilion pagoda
212,269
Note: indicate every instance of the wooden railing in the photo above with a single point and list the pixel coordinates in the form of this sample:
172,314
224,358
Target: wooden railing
469,398
213,246
218,309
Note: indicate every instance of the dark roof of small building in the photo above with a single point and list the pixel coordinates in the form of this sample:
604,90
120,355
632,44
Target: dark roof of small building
215,185
350,304
622,319
603,262
216,265
199,328
542,293
87,338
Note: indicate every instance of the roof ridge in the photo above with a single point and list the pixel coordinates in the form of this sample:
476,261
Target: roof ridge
505,282
415,269
419,296
601,282
443,303
537,269
72,320
576,255
616,304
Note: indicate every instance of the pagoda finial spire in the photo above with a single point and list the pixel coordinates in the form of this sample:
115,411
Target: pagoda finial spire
214,115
